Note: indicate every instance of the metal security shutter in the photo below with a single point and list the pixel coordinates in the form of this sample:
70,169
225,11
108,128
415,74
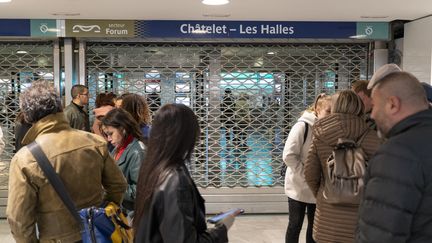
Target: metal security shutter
20,64
270,86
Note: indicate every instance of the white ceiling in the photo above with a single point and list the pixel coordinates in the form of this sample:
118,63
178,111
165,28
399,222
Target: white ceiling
278,10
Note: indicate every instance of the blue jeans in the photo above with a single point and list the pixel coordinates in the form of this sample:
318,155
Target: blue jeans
297,212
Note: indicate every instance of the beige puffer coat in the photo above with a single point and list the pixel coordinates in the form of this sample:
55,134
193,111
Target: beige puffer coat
334,223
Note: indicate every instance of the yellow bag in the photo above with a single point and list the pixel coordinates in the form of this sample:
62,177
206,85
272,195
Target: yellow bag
123,232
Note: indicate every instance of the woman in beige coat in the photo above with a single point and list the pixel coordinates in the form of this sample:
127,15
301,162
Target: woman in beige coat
335,222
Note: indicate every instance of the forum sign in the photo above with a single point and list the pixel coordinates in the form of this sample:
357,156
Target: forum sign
100,28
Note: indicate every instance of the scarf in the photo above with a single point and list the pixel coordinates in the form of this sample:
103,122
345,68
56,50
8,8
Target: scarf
123,146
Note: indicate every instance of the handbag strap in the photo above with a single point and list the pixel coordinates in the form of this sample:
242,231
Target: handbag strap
54,179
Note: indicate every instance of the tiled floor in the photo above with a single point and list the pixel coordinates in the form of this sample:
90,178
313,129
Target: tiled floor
5,235
246,229
261,229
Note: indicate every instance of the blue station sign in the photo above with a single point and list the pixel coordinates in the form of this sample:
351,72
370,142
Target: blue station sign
257,29
193,29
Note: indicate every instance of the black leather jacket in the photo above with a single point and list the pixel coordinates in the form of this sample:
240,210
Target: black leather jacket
177,214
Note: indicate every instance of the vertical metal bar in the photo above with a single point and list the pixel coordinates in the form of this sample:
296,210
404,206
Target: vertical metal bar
82,63
68,61
56,66
61,30
212,165
368,59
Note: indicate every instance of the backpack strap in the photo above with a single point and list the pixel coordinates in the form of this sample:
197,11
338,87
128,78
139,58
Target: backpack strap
361,138
284,167
306,132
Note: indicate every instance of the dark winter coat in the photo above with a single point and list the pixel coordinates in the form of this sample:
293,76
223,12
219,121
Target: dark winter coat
177,214
397,203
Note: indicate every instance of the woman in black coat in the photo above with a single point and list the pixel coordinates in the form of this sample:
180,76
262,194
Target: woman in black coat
169,207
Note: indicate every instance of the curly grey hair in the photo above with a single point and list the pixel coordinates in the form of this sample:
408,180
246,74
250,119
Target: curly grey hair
39,101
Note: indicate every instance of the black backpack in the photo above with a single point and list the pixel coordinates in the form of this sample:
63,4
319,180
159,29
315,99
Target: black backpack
284,167
345,170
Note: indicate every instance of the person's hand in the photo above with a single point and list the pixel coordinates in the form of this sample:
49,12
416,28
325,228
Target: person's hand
228,221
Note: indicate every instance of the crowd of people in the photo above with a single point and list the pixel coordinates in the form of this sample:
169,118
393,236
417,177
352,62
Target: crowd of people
389,118
128,158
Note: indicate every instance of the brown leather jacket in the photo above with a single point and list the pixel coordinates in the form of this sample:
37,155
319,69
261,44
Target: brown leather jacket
82,161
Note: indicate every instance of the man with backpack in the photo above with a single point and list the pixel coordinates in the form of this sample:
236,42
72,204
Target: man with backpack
396,205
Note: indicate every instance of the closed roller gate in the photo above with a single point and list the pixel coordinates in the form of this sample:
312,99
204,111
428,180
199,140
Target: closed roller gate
20,64
246,97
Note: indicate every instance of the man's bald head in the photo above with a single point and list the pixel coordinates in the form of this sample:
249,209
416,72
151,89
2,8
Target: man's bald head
395,97
406,87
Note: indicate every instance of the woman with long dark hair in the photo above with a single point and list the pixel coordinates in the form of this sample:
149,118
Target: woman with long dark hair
169,207
122,131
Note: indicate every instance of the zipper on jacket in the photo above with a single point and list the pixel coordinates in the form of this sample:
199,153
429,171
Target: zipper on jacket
91,226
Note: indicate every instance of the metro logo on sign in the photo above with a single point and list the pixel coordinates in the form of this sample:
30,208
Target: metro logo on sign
373,30
44,28
86,28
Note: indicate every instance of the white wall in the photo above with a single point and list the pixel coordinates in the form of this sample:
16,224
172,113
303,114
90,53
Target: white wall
417,50
380,58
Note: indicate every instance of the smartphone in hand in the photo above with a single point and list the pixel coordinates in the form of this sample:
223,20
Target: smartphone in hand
219,217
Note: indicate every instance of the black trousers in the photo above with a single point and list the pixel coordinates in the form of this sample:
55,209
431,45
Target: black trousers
297,211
